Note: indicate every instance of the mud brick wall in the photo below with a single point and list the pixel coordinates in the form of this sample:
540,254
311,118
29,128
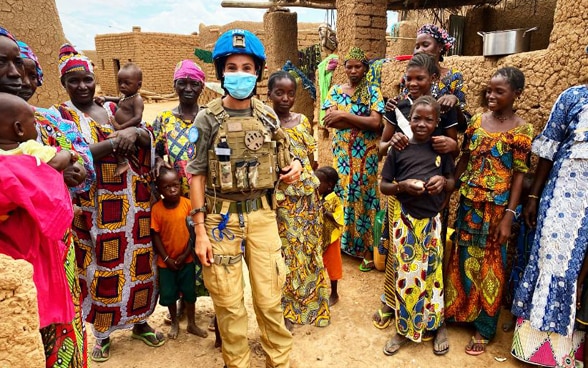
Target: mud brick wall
20,340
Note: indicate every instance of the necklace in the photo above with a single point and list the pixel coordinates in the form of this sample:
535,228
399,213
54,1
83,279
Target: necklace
501,119
124,98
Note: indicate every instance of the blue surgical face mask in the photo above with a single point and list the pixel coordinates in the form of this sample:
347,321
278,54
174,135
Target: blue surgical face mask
240,85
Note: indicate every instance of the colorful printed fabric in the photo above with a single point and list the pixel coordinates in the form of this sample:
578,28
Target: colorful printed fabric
72,61
546,296
355,53
4,32
547,349
477,268
171,139
494,157
52,130
113,243
65,343
305,295
418,255
27,53
451,84
355,154
440,35
189,69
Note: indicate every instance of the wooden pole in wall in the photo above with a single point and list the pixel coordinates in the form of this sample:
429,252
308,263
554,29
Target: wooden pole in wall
272,4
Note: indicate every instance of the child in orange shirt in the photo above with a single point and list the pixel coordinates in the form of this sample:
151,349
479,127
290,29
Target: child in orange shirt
171,241
333,222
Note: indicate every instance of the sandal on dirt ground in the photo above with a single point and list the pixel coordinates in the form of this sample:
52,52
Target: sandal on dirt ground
366,266
104,353
382,319
153,339
473,342
394,344
441,343
211,323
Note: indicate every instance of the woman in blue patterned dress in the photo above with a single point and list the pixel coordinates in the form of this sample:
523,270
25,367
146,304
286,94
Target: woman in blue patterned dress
557,206
355,111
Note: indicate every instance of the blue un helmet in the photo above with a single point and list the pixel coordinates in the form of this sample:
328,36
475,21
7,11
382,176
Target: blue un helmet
238,41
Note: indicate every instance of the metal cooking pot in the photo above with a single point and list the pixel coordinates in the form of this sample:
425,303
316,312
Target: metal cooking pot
506,42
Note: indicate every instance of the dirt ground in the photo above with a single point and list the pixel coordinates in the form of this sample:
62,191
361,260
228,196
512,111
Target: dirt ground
350,341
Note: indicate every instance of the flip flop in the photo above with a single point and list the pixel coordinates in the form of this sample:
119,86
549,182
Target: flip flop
145,338
470,347
392,346
104,352
440,339
211,324
366,266
387,317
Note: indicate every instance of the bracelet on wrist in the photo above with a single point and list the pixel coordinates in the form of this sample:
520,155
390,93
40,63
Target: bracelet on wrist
166,258
112,144
511,211
533,196
199,223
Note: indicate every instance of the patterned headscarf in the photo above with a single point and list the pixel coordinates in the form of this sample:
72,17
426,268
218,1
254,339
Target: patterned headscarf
4,32
189,69
440,35
27,53
70,60
355,53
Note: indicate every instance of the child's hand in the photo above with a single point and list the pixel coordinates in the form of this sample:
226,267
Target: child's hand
171,264
399,141
391,104
530,212
436,184
447,102
413,187
74,174
100,100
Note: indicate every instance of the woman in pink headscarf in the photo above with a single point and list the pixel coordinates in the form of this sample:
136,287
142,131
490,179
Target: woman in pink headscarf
173,129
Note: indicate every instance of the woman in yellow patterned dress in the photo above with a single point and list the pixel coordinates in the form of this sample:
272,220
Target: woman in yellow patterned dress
305,297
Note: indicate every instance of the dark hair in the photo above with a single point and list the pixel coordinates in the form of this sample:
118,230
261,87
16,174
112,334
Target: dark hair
425,61
279,75
163,171
135,68
330,174
514,77
429,101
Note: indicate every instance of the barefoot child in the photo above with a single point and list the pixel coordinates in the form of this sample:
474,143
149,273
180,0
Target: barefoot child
419,178
491,170
130,106
171,240
332,225
18,134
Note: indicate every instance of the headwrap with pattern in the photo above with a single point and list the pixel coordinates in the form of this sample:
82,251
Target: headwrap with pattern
27,53
355,53
4,32
70,60
440,35
189,69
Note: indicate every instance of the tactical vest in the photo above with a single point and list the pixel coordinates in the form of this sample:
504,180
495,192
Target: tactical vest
246,153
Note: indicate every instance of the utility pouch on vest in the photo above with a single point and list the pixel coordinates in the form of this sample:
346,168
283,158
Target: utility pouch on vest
253,174
241,175
226,178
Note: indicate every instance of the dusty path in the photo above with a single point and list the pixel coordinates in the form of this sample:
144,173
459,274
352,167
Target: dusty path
350,341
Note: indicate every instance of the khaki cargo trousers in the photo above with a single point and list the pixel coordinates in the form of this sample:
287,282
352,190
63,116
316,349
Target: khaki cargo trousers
267,273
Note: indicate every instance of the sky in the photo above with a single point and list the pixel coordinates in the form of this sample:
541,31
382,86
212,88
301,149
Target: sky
83,19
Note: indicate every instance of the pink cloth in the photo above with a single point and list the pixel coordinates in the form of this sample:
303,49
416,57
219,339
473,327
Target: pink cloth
39,213
189,69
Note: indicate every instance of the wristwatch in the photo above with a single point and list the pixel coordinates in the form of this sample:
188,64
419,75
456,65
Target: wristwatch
202,209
